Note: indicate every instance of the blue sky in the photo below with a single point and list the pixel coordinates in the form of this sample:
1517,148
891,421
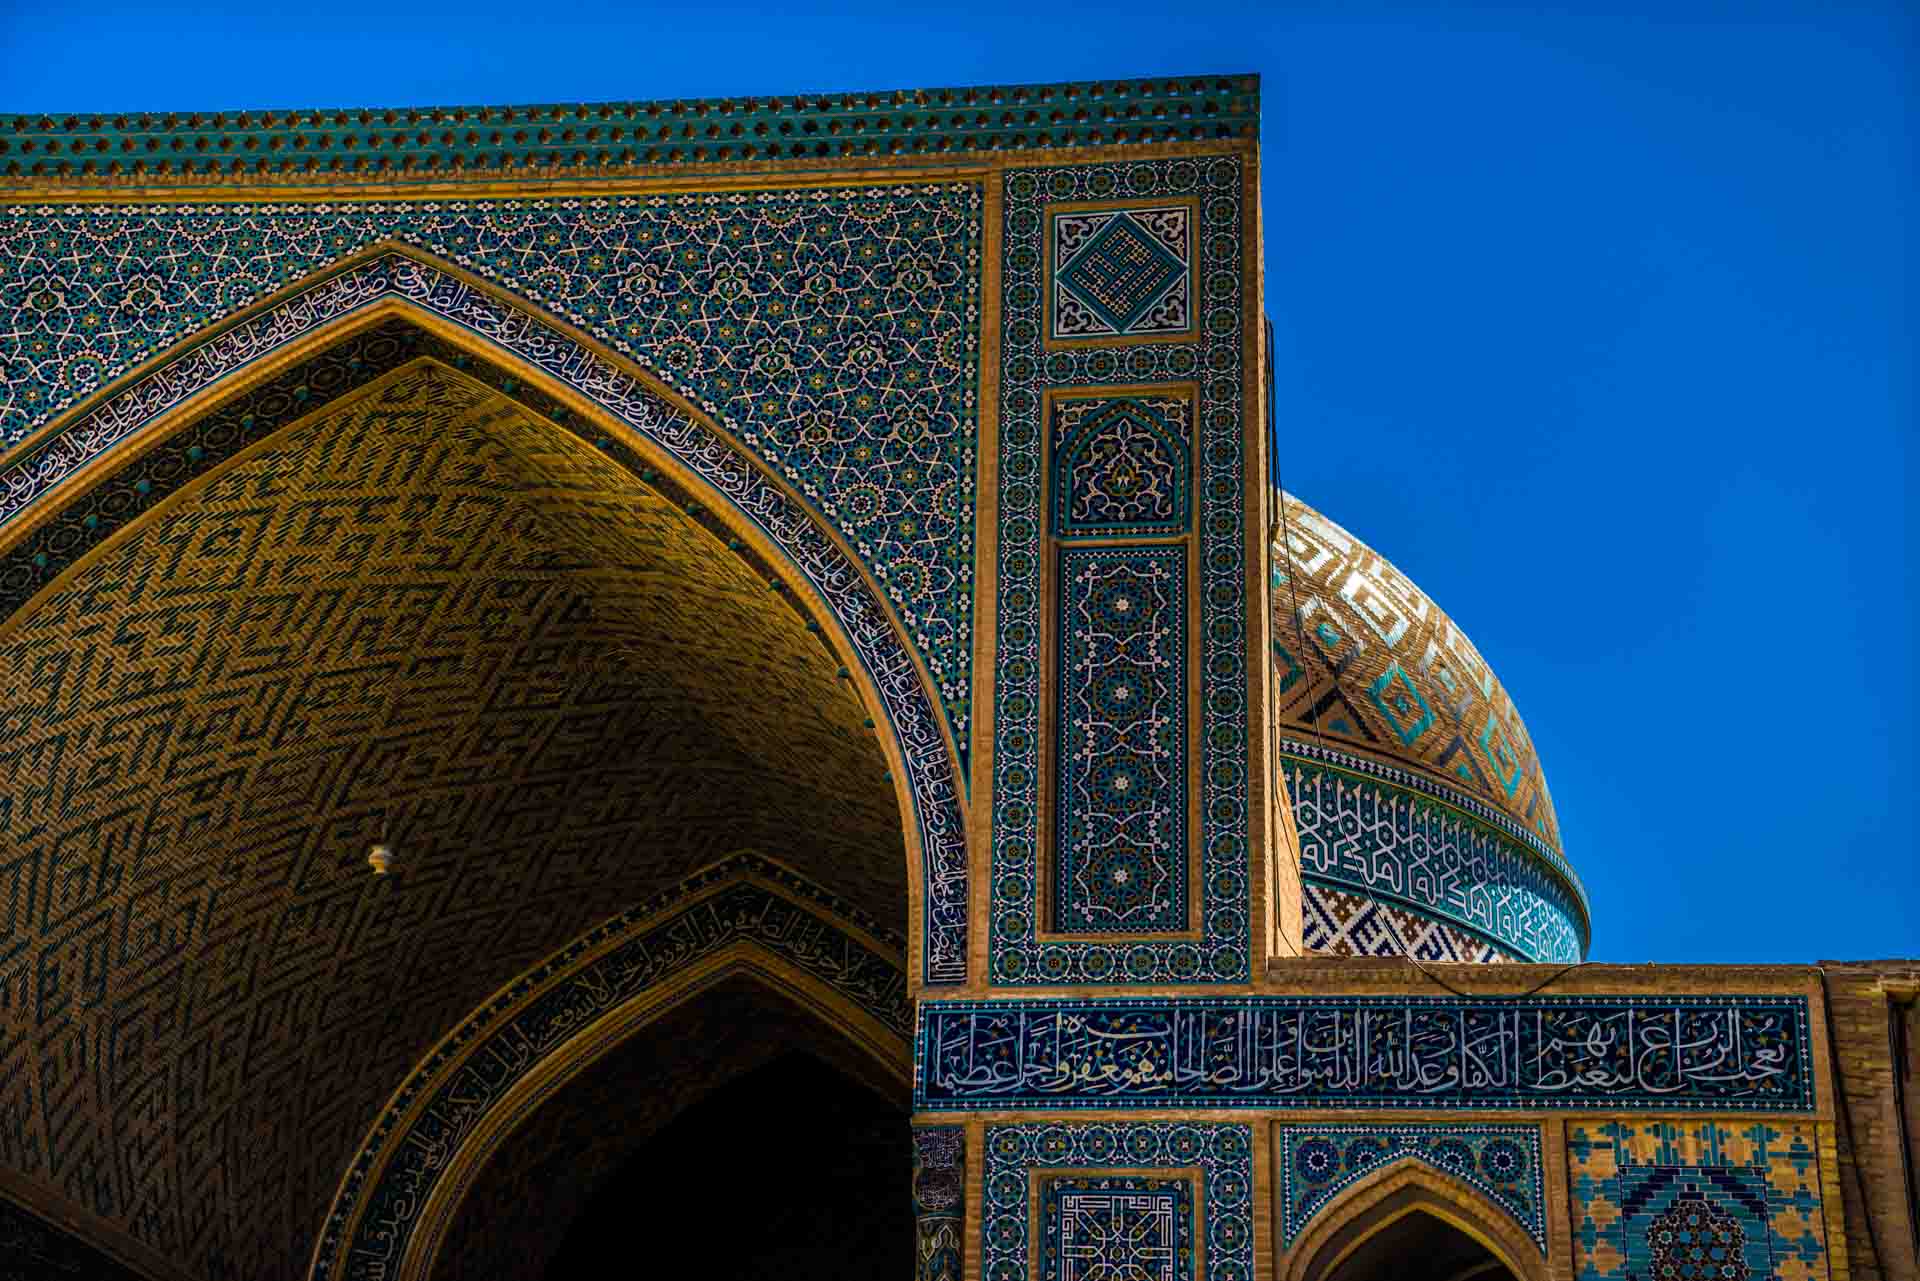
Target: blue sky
1599,324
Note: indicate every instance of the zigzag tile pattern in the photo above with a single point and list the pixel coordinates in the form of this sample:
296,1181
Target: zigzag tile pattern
422,613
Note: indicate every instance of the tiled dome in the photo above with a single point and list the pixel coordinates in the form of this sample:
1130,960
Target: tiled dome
1425,823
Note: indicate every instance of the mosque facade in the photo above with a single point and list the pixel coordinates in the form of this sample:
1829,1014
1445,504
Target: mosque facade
615,668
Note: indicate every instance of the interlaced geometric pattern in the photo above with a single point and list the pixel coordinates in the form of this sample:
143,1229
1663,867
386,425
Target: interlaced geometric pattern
1109,1227
1341,924
1120,466
832,331
1123,273
1703,1201
1318,1162
1118,1201
1203,360
1121,842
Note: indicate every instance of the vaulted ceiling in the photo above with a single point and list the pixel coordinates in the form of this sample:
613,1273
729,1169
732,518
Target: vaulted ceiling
420,614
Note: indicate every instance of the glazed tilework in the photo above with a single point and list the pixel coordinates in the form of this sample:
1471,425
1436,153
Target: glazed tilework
1693,1201
743,900
1721,1053
1212,188
1341,924
1116,1227
1152,1225
36,472
1318,1162
1122,466
442,143
832,332
1376,838
1122,273
1372,667
939,1202
1121,844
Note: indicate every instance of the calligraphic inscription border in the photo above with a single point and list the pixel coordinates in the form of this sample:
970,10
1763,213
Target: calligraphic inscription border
1018,954
1221,1150
1571,1053
714,457
741,899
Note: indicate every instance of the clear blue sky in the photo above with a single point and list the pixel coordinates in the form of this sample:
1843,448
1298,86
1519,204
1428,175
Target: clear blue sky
1601,326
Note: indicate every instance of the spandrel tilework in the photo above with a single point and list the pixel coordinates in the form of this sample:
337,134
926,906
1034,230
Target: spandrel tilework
831,331
1727,1053
1502,1162
1121,840
1208,193
1697,1201
1177,1201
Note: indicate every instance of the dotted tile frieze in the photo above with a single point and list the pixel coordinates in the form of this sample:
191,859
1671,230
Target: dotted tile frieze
1362,835
1503,1162
1210,190
832,331
438,144
38,472
746,899
1120,847
1121,1201
1697,1201
1726,1053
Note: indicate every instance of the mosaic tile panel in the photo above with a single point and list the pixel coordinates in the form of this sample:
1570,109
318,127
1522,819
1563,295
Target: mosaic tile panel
1366,830
1696,1201
1121,466
1150,1226
831,331
1120,841
1030,369
499,1044
939,1202
1341,924
1116,1227
1122,273
1318,1162
1721,1053
30,474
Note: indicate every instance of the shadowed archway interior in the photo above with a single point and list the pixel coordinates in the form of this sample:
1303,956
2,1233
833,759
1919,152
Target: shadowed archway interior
419,613
738,1087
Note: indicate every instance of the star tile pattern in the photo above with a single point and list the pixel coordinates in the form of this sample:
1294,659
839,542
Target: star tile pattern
831,331
1152,1226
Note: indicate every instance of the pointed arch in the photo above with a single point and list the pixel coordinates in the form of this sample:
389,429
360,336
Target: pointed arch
1388,1196
112,431
746,918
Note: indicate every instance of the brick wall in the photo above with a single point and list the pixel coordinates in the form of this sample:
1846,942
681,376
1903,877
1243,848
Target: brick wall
1860,993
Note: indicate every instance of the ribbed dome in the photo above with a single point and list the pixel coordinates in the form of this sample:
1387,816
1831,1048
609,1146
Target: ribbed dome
1425,823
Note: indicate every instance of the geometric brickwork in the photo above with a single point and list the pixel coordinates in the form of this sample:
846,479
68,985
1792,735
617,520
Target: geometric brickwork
1120,466
455,1092
32,1248
1336,923
831,331
1120,856
1122,273
1503,1162
421,613
1122,243
1374,683
1696,1201
1371,832
1118,1201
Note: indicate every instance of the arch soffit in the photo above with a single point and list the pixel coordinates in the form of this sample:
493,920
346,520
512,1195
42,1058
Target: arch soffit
113,430
745,917
1407,1186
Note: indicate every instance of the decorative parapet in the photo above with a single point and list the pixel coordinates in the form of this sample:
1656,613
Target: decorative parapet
444,143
